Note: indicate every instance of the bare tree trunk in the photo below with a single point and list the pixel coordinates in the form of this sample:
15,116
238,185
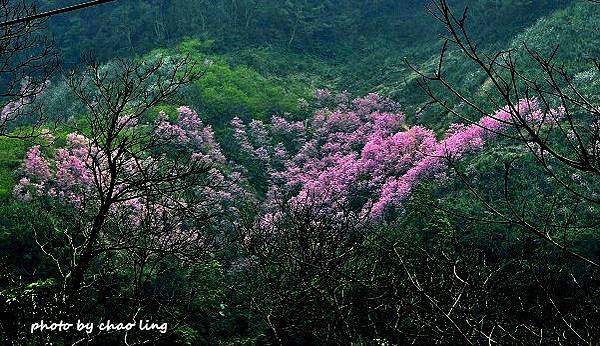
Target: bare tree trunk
78,273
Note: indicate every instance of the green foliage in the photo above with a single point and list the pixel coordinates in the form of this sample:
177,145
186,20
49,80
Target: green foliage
12,152
41,284
226,91
254,83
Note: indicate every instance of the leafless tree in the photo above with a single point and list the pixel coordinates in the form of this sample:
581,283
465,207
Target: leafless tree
149,208
565,143
27,60
130,90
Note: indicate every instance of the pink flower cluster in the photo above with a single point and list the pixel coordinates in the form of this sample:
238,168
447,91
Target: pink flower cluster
191,132
67,176
75,174
363,156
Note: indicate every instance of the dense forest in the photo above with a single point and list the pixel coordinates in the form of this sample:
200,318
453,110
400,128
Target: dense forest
300,172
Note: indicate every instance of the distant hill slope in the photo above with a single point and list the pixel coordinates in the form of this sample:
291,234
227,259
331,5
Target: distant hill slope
358,45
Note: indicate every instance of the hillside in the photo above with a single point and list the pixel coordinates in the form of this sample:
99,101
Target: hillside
270,172
359,46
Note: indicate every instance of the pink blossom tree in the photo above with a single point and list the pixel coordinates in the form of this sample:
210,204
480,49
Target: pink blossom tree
362,155
131,183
